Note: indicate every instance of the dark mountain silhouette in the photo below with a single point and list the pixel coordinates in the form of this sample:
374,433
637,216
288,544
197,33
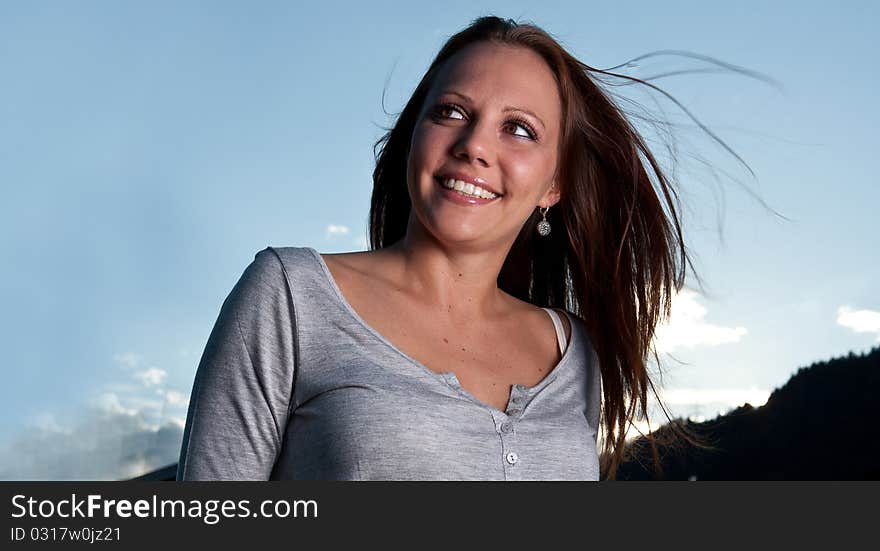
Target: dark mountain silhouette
820,425
823,424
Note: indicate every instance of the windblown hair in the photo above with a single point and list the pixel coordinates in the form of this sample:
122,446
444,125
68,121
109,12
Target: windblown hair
618,255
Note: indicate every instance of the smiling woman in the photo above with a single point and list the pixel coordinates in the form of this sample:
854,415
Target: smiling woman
477,126
473,341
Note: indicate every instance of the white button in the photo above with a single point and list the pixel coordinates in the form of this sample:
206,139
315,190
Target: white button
512,458
516,399
506,427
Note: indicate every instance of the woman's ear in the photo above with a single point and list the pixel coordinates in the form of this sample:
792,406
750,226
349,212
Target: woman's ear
551,196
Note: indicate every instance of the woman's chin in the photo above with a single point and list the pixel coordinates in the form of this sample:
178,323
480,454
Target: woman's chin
462,235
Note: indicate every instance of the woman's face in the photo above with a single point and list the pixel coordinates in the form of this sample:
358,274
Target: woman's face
493,114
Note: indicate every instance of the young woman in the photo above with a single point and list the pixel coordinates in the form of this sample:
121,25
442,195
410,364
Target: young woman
521,259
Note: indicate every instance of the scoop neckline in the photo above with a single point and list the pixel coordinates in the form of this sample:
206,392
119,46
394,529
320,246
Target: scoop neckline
447,376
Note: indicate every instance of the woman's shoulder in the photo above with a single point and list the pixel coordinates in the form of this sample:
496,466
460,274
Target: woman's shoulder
279,273
537,316
282,256
289,261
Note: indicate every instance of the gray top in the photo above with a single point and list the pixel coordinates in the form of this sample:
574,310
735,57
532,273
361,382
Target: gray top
294,384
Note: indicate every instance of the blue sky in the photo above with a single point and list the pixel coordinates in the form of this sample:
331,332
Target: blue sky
148,151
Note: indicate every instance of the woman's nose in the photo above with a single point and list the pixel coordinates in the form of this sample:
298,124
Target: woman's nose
475,143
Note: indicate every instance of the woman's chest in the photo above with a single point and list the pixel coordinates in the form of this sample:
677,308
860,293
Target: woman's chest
486,361
385,420
487,356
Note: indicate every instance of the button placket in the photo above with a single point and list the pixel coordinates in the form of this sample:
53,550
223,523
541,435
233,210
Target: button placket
506,424
517,400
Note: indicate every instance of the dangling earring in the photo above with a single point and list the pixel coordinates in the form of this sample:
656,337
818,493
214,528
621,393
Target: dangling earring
544,225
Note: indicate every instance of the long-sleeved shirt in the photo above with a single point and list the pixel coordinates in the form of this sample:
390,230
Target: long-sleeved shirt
294,384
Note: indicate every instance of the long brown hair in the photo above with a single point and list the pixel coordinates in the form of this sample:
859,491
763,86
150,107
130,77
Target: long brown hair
618,255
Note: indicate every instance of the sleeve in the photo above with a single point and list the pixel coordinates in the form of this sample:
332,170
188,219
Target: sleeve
240,401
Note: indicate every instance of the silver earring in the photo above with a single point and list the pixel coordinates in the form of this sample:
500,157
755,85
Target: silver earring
544,225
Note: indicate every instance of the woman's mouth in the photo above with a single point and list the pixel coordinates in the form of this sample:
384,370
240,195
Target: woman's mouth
465,193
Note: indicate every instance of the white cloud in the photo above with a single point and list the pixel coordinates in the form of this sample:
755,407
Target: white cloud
47,422
151,377
336,229
125,430
173,397
860,321
144,404
109,403
128,360
179,422
108,441
688,328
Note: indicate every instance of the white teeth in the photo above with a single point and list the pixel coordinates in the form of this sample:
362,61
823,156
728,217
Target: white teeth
468,189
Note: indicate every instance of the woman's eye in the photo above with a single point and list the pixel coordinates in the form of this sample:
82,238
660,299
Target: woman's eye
529,133
446,110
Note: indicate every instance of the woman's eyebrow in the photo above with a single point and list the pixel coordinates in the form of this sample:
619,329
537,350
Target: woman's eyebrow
505,110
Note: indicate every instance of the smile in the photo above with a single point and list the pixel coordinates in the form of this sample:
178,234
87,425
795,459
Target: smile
465,193
467,188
